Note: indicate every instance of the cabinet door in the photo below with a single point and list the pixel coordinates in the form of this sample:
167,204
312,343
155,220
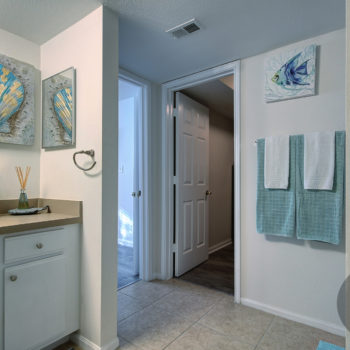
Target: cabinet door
34,303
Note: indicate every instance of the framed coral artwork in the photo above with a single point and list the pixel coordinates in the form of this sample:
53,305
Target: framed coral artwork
17,89
290,74
58,110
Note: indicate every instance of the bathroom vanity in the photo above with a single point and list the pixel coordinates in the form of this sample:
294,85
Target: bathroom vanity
39,275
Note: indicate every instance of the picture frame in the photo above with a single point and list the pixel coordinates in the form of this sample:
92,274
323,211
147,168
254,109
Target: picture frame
291,74
17,101
59,110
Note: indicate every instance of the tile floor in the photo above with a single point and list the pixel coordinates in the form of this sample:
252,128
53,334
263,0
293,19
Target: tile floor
178,315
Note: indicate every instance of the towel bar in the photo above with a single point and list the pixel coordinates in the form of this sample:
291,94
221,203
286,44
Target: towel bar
90,153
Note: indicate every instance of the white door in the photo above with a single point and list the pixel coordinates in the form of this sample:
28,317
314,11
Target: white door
129,181
192,179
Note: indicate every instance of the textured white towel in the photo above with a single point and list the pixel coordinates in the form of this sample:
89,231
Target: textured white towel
276,162
319,154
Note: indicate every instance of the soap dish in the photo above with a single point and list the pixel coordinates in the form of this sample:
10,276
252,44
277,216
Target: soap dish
28,211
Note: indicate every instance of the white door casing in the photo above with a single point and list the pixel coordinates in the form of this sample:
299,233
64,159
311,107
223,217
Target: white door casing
192,179
167,201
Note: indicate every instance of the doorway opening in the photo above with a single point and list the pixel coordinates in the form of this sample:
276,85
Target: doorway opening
185,223
129,182
216,268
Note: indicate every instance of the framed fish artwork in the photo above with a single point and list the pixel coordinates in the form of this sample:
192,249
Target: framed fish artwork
291,74
17,94
58,110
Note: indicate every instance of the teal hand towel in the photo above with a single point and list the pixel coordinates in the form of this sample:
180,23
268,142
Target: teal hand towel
275,208
326,346
320,213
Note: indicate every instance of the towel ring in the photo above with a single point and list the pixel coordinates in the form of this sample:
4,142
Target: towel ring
90,153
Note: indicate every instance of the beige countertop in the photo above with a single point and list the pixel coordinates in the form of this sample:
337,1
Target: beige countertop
62,212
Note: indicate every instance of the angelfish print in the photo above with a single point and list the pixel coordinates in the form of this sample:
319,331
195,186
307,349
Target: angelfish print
291,73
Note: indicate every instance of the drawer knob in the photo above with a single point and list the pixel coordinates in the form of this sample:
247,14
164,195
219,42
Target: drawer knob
13,278
39,245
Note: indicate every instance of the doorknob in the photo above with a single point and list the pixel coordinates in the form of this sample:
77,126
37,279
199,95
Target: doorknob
139,194
208,193
133,194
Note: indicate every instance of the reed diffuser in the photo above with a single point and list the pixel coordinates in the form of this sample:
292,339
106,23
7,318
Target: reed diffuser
23,199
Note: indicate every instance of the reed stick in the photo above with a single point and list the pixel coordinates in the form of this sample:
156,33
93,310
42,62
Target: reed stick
22,180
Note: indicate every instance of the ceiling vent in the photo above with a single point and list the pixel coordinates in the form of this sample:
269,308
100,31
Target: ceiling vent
184,29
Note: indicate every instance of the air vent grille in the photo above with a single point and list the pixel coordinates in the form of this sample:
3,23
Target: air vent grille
184,29
191,28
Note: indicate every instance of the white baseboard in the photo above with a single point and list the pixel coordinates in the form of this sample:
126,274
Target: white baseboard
87,344
219,246
328,327
56,344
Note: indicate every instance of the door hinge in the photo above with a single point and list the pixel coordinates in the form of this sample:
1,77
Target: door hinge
174,248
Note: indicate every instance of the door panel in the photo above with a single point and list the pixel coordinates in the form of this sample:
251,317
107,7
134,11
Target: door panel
201,223
34,292
188,226
192,158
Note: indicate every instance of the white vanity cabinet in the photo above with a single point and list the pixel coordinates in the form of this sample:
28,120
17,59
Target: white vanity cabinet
39,287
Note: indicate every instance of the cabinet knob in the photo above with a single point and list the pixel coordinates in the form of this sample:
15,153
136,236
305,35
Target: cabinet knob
13,278
39,245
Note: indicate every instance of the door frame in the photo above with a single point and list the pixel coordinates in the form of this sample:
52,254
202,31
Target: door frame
145,243
168,90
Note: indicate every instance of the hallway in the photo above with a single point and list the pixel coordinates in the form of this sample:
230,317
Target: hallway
216,273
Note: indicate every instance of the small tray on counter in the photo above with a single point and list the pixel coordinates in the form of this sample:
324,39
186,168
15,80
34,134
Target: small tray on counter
29,211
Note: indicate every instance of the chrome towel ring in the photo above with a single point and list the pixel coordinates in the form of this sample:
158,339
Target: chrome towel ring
90,153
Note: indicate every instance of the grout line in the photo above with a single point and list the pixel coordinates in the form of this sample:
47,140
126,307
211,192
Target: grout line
142,307
198,321
194,323
262,337
173,289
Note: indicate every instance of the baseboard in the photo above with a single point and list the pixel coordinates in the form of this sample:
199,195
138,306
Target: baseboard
219,246
328,327
158,276
87,344
56,343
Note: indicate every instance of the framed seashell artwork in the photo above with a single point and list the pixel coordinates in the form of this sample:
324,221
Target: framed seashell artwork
17,94
58,110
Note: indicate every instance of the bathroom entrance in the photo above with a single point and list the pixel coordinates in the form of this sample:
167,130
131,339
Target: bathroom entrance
129,182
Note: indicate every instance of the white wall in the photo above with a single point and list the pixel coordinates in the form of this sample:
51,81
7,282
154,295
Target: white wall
220,178
297,277
83,46
11,155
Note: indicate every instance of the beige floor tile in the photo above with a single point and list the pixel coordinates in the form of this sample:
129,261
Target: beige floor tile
128,306
245,324
125,345
288,335
152,328
190,303
199,337
148,292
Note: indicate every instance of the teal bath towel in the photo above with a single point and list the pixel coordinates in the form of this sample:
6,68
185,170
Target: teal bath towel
326,346
320,213
275,208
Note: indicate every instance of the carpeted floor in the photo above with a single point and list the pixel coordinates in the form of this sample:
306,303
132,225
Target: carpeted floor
126,266
216,273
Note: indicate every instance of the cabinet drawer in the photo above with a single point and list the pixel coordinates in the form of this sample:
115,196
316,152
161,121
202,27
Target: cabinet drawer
33,245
